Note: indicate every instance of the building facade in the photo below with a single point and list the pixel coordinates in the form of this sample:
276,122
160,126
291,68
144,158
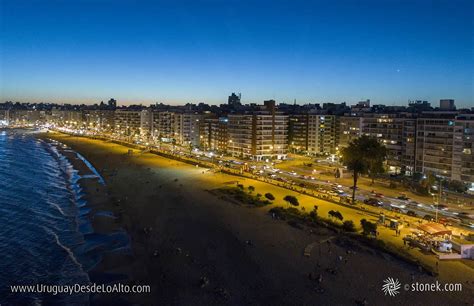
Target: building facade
214,134
348,129
162,125
434,143
259,135
127,123
187,128
463,152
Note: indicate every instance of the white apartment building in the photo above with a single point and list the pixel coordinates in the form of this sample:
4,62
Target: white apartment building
258,135
321,134
186,127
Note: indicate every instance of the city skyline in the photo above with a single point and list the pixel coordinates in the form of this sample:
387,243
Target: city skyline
85,52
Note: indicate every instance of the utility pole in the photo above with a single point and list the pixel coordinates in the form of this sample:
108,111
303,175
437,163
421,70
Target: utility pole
439,200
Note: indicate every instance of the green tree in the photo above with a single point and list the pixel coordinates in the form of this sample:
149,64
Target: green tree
428,180
348,226
335,214
368,228
251,189
456,186
291,200
331,214
269,196
377,154
361,156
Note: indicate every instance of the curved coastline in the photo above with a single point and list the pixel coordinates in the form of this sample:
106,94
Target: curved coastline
90,192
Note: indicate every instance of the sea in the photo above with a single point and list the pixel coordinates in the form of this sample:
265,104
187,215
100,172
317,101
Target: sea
45,234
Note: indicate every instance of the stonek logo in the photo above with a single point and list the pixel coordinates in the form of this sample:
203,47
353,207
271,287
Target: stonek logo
391,286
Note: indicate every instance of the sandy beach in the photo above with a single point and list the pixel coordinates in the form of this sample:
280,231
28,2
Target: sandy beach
194,248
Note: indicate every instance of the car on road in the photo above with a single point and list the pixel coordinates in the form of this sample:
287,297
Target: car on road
411,213
443,207
414,204
429,217
465,214
373,202
396,209
469,224
403,197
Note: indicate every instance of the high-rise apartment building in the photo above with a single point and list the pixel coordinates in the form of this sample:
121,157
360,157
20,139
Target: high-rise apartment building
463,150
100,120
434,143
162,125
187,128
388,129
348,129
447,105
128,123
234,100
321,134
312,133
214,134
260,134
298,133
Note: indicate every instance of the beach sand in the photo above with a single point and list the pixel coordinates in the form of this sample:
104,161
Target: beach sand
196,249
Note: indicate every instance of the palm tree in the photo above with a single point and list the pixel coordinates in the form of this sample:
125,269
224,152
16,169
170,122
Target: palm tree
362,155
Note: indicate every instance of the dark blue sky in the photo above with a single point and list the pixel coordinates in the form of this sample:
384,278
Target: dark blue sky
191,51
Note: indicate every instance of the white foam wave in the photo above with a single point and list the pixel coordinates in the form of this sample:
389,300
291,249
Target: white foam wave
65,248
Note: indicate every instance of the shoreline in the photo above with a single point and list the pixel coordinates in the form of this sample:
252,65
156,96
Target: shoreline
158,200
101,232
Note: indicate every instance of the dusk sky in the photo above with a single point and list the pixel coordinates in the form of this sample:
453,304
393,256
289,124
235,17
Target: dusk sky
201,51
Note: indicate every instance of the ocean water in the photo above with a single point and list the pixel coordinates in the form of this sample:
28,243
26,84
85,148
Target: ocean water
45,233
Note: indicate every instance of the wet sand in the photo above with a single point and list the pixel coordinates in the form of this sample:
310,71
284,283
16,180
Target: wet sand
195,250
